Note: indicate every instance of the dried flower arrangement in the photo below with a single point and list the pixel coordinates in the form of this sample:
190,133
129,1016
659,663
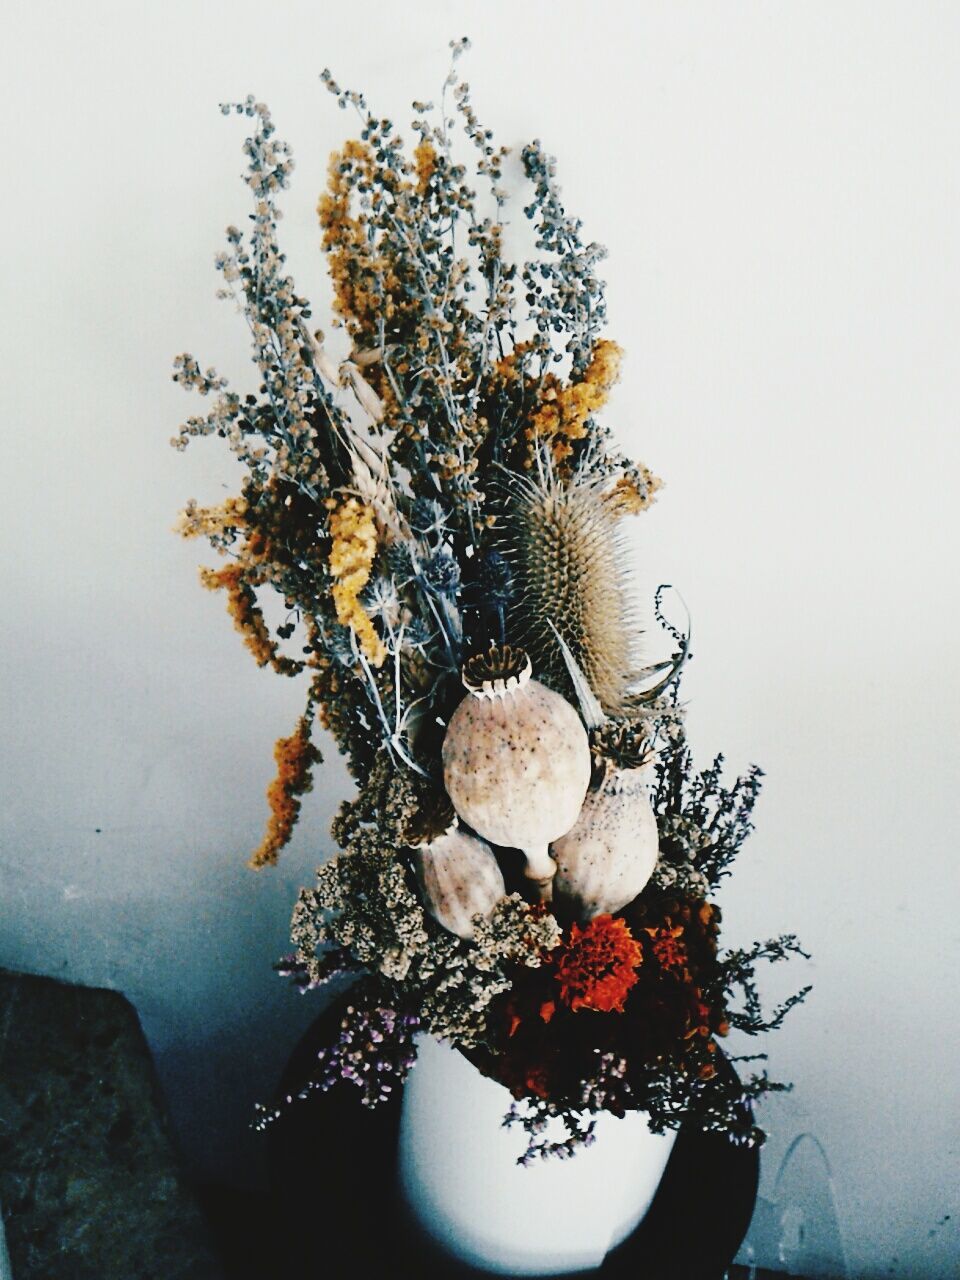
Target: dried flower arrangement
526,868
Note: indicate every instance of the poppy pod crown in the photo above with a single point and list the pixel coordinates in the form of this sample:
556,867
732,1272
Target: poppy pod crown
497,672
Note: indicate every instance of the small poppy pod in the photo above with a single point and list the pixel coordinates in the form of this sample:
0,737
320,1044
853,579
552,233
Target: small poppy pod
459,878
516,760
608,856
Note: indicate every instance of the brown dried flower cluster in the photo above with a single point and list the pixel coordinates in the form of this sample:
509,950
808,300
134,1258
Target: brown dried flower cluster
446,484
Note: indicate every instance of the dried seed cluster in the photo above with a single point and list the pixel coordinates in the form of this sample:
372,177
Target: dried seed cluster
449,484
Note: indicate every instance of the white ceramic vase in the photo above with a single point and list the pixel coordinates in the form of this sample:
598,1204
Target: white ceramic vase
461,1181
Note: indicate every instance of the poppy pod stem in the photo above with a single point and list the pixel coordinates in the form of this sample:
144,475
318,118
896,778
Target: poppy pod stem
540,870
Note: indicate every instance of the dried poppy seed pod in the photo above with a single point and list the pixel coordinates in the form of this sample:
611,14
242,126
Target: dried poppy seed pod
458,875
605,860
516,760
460,879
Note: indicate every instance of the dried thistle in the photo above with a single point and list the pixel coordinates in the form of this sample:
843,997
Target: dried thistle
564,544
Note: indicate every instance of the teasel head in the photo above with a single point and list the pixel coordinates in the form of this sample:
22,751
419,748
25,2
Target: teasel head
569,560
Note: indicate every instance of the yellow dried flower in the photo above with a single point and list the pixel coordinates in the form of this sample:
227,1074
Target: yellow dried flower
564,410
634,491
364,281
425,159
354,533
225,518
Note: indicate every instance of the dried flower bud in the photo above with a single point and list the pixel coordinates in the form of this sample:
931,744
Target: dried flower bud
496,578
459,879
441,574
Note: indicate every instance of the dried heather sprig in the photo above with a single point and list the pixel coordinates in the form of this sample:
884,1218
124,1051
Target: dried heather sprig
533,1115
322,968
374,1050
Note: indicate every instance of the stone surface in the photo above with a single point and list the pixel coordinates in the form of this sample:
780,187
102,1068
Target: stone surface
90,1184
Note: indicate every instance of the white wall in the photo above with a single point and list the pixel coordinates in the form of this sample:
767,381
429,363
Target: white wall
778,186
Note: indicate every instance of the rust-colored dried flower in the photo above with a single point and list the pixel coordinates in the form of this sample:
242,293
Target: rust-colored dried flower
597,965
247,618
667,946
294,757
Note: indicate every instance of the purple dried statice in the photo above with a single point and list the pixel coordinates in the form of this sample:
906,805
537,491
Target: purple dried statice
324,968
374,1050
606,1089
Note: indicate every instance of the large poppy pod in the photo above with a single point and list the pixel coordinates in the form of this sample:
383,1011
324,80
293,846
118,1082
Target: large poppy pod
516,760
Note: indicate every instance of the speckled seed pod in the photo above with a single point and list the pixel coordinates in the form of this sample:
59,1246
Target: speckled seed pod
459,879
609,855
516,760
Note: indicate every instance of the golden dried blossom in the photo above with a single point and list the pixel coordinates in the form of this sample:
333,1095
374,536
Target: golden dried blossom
425,159
634,491
218,521
354,533
364,282
564,410
247,617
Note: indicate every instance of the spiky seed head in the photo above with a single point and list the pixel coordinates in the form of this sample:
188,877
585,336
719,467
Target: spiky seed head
441,574
398,561
570,566
427,515
496,579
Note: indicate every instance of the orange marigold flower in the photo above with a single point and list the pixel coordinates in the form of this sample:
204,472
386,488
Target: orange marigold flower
668,948
597,965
